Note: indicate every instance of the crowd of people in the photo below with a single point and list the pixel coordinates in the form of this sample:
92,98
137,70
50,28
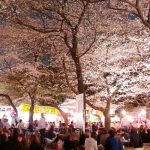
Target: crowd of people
43,136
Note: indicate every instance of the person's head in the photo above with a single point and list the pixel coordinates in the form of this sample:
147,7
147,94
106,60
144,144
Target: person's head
20,121
35,138
112,132
51,128
133,130
20,137
104,131
6,132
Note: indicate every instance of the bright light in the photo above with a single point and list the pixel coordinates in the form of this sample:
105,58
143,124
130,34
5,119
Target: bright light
93,118
124,112
94,112
66,110
139,115
115,118
111,111
143,112
129,118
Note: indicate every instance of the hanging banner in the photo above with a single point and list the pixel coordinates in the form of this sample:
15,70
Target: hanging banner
80,123
39,109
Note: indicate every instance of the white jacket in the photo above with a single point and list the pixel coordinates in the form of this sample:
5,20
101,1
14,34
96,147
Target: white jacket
90,144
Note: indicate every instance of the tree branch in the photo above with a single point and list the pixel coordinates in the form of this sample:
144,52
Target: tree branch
149,15
41,30
66,41
136,6
10,101
89,48
94,107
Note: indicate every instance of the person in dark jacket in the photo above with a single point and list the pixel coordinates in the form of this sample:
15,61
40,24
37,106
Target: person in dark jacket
5,143
113,143
135,138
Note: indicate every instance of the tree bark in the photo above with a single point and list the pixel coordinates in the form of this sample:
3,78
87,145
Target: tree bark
107,114
31,113
148,109
107,120
64,115
10,101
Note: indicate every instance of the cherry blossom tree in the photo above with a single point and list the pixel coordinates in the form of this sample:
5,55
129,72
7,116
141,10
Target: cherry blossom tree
76,31
134,8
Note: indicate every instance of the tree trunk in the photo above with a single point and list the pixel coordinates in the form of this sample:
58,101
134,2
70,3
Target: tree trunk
11,102
31,113
148,109
64,115
81,89
107,120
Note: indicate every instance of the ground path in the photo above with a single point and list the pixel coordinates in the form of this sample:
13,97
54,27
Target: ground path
148,148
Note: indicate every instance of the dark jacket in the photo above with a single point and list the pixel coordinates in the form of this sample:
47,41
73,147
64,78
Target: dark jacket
113,143
36,146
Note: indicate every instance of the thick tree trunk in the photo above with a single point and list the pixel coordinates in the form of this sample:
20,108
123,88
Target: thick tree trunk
81,89
107,114
148,110
31,113
79,75
107,120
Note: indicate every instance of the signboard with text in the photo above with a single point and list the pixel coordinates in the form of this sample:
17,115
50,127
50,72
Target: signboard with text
39,109
80,110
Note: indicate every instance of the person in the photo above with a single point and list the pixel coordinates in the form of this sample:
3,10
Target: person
94,127
83,137
35,143
135,138
20,126
102,137
50,134
5,143
56,143
20,144
1,124
6,124
113,143
91,142
41,126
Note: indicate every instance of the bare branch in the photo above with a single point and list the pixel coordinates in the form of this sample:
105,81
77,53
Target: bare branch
138,12
66,41
90,46
41,30
81,16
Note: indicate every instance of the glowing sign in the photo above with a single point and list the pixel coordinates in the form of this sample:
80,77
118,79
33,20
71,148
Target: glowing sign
39,109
